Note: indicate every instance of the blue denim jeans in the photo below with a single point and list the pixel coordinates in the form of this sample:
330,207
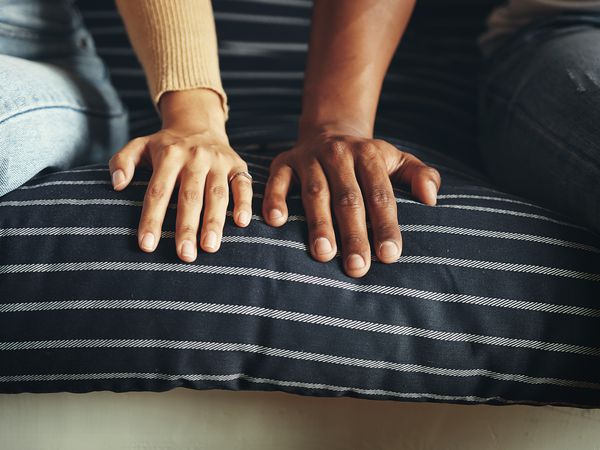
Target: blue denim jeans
57,105
540,115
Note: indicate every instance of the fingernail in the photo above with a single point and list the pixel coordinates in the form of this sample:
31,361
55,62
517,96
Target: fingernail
188,249
210,240
433,189
322,246
118,178
355,262
276,214
389,249
148,241
244,218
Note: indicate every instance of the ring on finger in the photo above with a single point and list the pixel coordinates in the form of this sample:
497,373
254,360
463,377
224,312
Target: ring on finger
241,173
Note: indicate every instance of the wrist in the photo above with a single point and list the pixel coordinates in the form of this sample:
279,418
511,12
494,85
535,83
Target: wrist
308,127
193,109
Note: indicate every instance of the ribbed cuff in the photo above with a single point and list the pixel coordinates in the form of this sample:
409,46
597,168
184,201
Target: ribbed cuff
176,43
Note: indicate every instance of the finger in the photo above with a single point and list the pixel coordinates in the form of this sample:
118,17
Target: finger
349,209
156,202
242,198
381,204
275,210
189,207
122,164
317,206
216,198
424,181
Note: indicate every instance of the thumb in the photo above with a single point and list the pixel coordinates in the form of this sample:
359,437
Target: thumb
122,164
424,181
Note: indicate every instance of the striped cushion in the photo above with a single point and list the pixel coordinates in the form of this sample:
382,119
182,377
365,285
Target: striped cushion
494,300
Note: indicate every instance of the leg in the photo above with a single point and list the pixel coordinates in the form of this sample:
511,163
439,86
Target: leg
540,116
57,106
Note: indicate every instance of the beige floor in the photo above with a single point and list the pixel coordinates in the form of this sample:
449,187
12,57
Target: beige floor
192,420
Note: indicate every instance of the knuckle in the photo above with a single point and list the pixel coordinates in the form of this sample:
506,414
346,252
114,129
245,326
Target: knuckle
218,191
336,150
213,223
387,231
155,192
186,229
353,240
149,223
317,223
367,149
348,198
190,195
171,150
315,188
380,196
196,152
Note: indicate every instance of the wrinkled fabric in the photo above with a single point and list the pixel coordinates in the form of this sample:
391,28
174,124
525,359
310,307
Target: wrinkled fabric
539,115
57,105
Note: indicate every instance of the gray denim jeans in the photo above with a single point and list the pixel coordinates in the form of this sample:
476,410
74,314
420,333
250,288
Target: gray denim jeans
540,115
57,105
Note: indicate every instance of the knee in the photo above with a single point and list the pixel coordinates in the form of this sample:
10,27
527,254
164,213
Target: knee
562,77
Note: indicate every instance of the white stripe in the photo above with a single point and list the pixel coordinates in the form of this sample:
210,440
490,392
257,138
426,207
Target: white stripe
72,202
82,170
300,278
65,183
493,198
314,319
413,259
417,228
99,201
291,354
79,183
495,265
264,240
511,213
265,168
269,381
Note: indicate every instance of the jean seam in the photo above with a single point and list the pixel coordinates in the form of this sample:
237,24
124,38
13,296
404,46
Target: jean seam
70,108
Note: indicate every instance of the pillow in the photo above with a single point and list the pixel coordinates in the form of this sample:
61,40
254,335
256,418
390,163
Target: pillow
495,300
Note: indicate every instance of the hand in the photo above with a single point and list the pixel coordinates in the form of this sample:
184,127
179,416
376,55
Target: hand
339,169
191,150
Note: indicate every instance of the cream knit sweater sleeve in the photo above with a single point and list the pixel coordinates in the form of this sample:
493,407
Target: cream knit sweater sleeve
176,43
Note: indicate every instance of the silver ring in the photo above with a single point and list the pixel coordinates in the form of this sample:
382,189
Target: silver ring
243,174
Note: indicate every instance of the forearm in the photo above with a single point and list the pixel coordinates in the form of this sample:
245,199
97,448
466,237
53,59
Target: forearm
176,43
351,46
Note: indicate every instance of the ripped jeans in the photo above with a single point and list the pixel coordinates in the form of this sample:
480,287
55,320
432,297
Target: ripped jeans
58,107
540,115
